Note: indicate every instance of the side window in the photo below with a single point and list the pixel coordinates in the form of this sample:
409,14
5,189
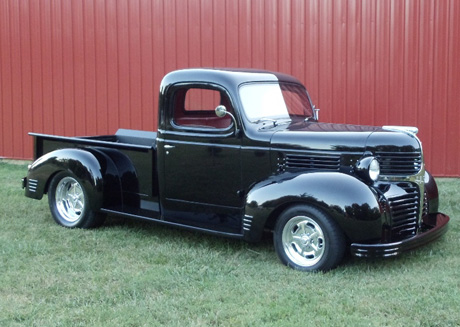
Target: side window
194,107
296,100
201,100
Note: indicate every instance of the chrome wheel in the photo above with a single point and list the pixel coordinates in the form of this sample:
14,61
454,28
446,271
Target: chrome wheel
303,241
70,199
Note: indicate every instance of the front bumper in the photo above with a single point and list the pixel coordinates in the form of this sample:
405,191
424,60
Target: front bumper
436,226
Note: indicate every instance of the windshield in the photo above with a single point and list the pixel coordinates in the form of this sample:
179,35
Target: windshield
275,101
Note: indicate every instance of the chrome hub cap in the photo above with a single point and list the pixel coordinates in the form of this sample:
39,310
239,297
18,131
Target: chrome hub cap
70,199
303,241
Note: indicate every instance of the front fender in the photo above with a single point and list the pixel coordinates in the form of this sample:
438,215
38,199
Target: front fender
83,164
347,200
432,195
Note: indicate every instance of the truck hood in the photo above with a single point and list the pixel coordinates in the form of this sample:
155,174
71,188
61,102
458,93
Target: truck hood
341,137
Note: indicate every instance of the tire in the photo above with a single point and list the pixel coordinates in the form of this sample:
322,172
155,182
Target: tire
69,203
308,240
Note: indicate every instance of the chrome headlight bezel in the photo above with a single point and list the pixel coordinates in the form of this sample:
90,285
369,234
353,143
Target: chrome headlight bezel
368,169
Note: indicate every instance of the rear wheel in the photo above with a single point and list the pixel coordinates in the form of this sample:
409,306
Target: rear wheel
306,239
69,203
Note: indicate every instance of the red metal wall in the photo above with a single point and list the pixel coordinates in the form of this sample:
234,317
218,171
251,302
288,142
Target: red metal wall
87,67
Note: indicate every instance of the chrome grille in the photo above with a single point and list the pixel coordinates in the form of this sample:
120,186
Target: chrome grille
399,163
404,211
329,162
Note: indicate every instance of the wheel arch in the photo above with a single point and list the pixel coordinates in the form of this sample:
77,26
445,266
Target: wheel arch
273,217
89,166
348,201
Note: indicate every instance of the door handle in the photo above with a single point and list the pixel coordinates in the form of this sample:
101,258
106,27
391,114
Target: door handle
168,147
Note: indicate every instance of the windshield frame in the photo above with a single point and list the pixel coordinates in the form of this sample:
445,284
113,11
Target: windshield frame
288,116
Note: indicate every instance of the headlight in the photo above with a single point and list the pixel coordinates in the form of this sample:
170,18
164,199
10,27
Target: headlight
368,168
374,170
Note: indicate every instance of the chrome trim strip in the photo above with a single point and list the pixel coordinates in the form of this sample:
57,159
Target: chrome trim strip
405,129
247,222
418,179
32,185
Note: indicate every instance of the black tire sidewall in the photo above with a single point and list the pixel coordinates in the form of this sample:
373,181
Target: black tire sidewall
334,239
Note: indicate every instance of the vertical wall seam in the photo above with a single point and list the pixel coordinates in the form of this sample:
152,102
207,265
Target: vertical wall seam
2,95
21,78
141,100
349,68
107,95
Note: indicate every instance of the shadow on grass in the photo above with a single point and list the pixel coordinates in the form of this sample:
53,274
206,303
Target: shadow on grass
264,249
192,238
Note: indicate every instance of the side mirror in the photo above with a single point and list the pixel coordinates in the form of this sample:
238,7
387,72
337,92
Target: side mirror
221,111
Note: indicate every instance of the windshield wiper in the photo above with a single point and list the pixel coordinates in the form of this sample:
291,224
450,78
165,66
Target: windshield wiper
275,122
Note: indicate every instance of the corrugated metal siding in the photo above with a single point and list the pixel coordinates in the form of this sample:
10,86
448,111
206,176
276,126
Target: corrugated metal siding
87,67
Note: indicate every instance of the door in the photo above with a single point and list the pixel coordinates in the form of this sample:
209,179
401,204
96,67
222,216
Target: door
202,162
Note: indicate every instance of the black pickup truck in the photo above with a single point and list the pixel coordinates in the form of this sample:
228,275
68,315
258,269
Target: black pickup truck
238,153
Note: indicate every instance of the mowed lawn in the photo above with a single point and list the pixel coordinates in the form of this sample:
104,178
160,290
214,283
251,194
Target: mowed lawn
132,273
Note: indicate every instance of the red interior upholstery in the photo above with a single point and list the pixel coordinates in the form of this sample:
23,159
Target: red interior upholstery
199,118
208,121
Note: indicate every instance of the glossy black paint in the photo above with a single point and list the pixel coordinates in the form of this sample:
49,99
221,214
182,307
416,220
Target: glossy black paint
362,169
432,195
351,203
83,164
436,226
235,181
123,162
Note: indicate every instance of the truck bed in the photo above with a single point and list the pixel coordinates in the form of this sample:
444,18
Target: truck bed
123,139
136,162
129,137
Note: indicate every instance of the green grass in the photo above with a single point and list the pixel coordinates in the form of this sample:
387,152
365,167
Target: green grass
131,273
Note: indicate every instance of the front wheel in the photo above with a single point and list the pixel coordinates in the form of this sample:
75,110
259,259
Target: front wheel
308,240
69,203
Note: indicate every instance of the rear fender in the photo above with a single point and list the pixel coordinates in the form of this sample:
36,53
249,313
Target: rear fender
90,168
351,203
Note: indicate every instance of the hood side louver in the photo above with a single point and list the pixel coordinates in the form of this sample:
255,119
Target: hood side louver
399,163
311,161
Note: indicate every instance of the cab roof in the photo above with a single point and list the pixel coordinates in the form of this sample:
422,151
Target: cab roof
227,77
